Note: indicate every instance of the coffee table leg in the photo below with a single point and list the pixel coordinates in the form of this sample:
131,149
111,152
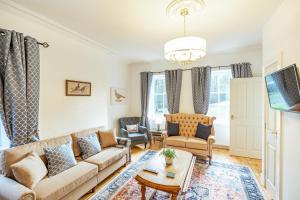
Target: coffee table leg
174,197
143,191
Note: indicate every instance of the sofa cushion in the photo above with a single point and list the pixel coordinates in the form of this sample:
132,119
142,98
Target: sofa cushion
196,143
89,145
107,138
177,141
107,157
56,187
30,170
137,136
60,158
80,134
172,129
203,131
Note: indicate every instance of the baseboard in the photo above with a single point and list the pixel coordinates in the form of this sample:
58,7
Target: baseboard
220,146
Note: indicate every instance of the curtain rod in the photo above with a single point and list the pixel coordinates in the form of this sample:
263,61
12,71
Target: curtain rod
189,69
44,44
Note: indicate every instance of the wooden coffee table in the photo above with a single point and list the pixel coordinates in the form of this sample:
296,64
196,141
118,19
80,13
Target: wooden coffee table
182,167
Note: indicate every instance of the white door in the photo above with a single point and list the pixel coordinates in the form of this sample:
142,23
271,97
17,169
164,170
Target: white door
246,117
272,121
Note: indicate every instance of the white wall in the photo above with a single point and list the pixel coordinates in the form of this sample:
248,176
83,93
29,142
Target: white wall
253,55
282,34
70,56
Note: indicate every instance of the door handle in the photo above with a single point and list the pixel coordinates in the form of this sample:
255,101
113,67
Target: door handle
231,117
274,132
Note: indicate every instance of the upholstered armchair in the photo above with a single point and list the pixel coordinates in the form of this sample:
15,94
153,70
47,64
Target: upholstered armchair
140,137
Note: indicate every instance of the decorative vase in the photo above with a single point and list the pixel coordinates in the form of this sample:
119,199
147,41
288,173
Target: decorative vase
169,161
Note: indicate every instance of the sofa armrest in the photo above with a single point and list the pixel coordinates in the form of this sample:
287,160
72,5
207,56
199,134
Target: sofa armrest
127,143
11,189
124,132
211,139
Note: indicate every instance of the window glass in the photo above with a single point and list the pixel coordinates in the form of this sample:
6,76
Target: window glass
158,105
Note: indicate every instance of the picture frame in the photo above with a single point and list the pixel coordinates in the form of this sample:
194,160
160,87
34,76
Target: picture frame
118,96
78,88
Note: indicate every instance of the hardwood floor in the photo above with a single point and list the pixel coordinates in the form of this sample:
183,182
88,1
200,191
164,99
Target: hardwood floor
218,154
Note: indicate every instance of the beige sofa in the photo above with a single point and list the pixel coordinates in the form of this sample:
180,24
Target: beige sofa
187,130
70,184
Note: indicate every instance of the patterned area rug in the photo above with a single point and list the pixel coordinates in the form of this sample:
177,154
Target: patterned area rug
219,181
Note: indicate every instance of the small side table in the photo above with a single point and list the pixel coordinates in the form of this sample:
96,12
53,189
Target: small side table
157,136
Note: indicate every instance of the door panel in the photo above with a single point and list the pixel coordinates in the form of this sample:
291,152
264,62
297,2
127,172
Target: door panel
272,122
246,117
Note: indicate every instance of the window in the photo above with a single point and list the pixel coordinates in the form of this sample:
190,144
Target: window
4,141
219,104
158,104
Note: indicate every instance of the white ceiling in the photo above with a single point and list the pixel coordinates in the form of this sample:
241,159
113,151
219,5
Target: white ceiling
137,29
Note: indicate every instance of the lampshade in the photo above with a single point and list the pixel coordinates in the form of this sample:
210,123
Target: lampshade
185,49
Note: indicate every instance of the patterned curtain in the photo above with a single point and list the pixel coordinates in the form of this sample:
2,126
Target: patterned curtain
201,87
241,70
173,88
19,86
146,80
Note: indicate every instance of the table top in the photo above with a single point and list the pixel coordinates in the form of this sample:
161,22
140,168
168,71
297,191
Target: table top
181,166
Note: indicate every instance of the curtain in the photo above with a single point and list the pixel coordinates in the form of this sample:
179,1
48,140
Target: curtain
19,86
173,89
200,88
241,70
146,80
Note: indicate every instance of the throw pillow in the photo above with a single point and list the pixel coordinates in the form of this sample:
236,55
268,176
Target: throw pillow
59,158
173,129
89,145
30,170
203,131
132,128
107,138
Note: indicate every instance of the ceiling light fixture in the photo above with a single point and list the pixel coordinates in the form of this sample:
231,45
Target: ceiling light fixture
184,49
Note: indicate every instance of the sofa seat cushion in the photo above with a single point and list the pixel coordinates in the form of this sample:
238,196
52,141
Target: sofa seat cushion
137,136
107,157
177,141
56,187
196,143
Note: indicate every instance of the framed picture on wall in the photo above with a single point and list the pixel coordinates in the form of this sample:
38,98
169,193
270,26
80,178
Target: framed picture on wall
118,96
78,88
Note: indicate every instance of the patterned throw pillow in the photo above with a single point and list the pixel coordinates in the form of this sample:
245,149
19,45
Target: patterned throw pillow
59,158
89,145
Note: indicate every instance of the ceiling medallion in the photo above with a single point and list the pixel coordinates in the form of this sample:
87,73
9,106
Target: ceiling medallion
185,49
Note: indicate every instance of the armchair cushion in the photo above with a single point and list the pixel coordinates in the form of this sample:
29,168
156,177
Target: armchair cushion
203,131
173,129
137,137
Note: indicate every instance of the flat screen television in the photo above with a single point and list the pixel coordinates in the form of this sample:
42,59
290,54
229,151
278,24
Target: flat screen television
283,89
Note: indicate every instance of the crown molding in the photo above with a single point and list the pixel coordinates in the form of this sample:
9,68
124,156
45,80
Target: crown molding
20,10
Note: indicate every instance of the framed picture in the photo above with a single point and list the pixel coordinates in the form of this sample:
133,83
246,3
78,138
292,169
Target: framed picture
118,96
78,88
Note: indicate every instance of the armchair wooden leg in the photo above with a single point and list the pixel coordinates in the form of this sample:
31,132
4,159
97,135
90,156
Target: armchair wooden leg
145,145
